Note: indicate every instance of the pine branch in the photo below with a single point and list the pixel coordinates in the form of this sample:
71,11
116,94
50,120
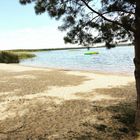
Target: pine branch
106,19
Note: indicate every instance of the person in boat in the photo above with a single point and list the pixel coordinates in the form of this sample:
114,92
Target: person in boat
88,48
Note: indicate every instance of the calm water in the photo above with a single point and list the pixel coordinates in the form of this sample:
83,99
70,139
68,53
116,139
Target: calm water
119,59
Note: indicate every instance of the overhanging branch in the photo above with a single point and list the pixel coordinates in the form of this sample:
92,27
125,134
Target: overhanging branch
109,20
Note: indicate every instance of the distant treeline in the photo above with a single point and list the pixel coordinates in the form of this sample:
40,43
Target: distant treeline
69,48
48,49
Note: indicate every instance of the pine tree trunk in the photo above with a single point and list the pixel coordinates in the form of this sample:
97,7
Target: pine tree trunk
137,62
137,77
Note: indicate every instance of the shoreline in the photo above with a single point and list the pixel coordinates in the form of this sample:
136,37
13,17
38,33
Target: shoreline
67,48
79,70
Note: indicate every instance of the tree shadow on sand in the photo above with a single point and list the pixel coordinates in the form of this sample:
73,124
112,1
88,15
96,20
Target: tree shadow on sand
80,119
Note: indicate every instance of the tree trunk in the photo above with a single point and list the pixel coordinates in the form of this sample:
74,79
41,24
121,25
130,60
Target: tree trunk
137,61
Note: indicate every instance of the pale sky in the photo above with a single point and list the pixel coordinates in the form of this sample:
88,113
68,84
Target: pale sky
21,28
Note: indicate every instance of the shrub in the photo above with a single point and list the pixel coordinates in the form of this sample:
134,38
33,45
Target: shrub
8,57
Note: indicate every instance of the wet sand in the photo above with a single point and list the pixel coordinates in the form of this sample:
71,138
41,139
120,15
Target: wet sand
37,103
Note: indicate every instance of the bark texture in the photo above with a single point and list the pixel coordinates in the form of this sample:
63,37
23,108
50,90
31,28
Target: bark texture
137,62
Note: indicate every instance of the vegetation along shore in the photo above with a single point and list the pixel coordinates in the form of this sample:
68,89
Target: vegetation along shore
14,56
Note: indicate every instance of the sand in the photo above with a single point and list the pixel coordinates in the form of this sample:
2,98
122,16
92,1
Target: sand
37,103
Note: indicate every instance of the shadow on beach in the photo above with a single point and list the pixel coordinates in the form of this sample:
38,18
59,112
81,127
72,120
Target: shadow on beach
76,119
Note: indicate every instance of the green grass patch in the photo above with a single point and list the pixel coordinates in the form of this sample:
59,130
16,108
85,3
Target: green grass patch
8,57
25,55
14,57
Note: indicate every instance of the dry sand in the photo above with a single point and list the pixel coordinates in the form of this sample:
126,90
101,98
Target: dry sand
48,104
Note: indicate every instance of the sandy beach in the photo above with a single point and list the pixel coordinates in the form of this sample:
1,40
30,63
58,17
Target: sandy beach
49,104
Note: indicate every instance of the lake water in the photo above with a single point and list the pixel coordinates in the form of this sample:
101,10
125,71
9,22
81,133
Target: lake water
118,59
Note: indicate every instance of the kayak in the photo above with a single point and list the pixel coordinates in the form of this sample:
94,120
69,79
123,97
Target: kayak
91,53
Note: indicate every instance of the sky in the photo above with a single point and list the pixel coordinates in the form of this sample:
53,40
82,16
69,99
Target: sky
21,28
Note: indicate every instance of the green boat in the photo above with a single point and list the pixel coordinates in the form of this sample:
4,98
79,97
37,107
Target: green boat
91,53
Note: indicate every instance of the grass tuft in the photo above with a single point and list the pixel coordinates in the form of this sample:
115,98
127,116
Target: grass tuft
8,57
24,55
14,57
